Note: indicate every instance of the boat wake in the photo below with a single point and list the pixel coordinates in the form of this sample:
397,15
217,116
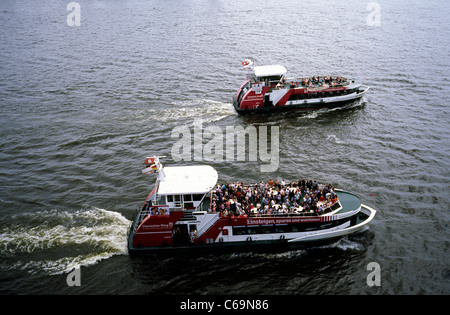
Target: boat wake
189,109
185,110
56,241
335,139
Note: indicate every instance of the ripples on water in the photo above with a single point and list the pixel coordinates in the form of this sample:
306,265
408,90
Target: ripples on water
82,106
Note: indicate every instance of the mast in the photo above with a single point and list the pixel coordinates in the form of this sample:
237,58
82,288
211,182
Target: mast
153,165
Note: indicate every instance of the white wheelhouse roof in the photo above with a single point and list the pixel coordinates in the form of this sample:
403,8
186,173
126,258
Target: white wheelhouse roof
180,180
267,71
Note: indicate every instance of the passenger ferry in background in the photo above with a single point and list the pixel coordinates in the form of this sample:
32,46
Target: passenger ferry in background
268,89
188,212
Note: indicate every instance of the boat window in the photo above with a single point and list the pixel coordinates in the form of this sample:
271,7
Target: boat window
282,228
197,197
252,230
177,200
169,198
188,201
239,230
244,230
267,229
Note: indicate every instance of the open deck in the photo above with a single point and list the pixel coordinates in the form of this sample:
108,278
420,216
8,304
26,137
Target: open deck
348,201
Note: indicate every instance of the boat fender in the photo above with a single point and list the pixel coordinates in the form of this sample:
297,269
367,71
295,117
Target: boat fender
220,239
249,239
282,237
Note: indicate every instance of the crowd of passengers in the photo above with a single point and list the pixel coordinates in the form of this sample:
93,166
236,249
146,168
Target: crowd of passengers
315,81
273,198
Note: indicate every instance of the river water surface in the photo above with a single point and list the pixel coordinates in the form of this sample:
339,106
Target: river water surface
82,106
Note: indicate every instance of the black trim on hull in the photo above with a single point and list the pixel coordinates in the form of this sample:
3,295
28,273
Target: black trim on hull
299,107
272,246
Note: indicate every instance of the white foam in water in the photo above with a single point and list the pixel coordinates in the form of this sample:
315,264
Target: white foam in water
345,244
91,235
311,115
188,110
334,139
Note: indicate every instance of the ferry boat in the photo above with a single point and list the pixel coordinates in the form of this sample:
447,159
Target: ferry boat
188,212
268,89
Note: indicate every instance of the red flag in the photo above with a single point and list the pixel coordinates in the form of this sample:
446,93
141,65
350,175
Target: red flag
150,160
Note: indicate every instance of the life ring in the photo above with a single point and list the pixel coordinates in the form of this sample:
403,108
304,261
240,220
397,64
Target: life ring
249,239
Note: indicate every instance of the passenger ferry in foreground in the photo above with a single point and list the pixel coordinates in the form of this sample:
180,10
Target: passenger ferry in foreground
268,89
188,212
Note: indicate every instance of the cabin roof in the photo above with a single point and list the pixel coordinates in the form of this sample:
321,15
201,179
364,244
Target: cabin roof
267,71
188,179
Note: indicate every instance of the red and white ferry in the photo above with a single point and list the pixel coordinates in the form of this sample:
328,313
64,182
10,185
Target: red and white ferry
268,89
188,211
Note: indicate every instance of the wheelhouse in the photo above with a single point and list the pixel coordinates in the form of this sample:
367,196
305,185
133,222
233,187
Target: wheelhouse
184,188
269,75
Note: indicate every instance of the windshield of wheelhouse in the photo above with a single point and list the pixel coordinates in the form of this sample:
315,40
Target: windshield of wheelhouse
184,201
269,81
